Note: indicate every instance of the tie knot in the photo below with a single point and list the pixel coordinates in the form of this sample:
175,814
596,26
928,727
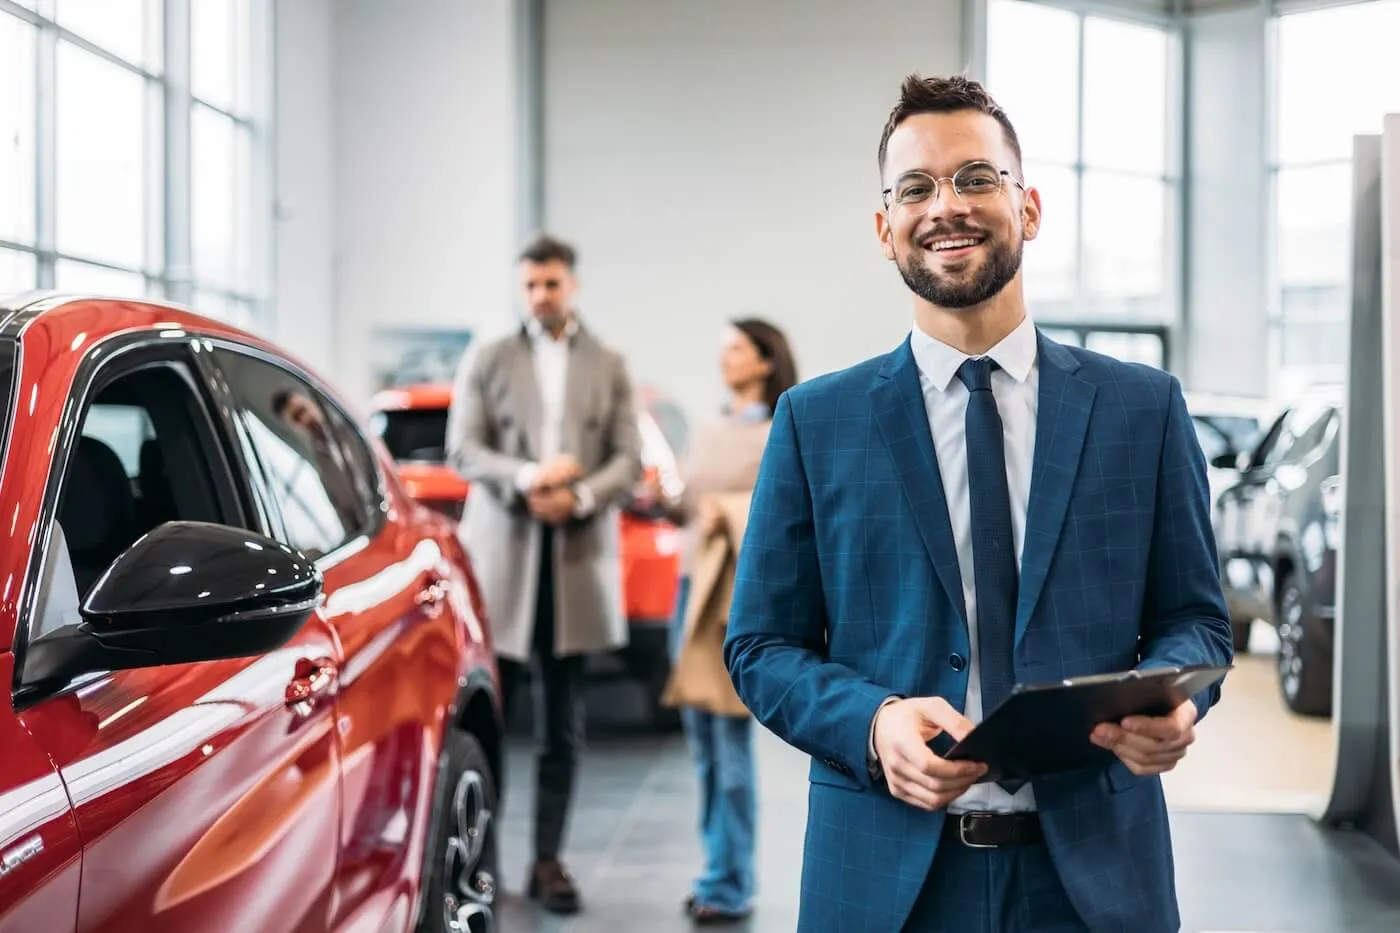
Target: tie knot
976,373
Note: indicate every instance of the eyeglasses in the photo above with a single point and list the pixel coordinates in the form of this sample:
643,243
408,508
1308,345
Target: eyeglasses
974,181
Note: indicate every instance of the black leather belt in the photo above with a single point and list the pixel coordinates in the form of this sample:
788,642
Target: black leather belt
979,829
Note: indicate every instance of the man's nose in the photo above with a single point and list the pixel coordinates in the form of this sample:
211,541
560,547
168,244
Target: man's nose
945,203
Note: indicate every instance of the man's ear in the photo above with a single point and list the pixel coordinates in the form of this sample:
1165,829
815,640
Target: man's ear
885,233
1030,214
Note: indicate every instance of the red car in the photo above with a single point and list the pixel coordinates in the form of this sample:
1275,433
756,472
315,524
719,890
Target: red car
412,422
251,684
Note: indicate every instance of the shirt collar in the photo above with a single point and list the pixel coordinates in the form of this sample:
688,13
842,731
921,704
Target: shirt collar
938,362
537,332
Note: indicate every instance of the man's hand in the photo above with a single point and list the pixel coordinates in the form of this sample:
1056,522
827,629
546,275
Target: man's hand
561,470
552,506
709,520
1150,744
913,772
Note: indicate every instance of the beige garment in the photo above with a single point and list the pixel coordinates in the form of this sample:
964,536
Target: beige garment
723,467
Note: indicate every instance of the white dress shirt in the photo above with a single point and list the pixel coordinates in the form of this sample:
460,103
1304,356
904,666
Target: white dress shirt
551,359
945,397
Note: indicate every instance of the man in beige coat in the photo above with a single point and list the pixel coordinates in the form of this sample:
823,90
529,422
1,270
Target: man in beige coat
542,425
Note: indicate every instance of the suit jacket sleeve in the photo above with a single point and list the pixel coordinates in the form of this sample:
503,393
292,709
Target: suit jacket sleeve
619,474
1184,616
471,444
775,648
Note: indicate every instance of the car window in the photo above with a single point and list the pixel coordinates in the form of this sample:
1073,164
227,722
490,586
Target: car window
1302,431
415,434
144,456
1312,434
306,471
1213,442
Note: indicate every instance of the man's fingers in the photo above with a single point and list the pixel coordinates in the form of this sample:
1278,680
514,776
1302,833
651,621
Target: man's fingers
940,713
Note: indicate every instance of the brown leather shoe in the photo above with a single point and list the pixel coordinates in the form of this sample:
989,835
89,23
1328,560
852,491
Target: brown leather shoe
554,888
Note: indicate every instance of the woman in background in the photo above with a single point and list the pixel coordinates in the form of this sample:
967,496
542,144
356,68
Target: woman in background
757,366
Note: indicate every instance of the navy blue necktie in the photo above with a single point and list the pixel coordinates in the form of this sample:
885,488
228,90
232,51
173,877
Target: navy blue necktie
993,542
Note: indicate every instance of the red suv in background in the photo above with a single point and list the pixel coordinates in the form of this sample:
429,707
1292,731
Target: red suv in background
251,685
412,423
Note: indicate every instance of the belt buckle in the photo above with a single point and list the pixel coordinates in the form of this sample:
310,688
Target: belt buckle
965,820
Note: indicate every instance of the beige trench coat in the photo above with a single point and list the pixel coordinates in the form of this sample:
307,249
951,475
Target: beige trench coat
494,428
699,678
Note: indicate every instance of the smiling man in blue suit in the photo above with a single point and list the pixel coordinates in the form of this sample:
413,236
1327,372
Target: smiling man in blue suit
980,507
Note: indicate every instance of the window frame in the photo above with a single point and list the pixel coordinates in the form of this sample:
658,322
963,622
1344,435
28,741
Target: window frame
376,510
103,363
167,129
1099,310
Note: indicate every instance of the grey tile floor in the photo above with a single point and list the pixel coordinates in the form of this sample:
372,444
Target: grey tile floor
633,849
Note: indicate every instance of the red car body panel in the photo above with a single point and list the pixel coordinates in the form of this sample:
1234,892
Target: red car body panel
196,799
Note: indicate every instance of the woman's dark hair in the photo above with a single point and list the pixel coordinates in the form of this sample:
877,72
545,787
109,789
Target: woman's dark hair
772,346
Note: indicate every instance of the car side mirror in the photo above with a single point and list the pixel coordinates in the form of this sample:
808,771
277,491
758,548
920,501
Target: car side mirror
1228,461
185,592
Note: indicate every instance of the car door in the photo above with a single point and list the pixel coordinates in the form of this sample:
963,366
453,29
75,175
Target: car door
387,586
205,798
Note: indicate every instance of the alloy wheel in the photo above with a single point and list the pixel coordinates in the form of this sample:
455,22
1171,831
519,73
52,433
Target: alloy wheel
471,890
1290,648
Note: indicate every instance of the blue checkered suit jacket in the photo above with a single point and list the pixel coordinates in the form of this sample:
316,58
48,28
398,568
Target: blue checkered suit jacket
847,591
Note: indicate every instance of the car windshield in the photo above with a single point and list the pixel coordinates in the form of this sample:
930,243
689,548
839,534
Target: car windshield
418,435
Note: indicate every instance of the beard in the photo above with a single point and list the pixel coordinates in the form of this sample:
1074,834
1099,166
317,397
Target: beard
942,290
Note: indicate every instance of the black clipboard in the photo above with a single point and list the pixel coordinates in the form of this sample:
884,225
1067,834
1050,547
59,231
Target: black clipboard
1044,728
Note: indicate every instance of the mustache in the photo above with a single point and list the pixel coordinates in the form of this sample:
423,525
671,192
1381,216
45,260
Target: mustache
939,233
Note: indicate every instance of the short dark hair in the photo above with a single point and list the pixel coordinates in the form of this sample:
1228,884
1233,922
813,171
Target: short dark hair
545,248
945,95
772,345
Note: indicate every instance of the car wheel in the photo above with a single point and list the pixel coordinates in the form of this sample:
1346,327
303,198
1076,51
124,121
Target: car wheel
1304,676
1240,631
462,856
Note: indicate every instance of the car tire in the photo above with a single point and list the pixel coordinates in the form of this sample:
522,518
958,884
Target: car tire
460,883
1304,674
1240,631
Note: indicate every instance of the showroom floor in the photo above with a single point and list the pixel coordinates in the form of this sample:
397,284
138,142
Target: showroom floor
1264,868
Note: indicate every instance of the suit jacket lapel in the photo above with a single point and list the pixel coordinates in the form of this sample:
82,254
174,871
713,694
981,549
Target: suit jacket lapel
1062,419
903,422
523,383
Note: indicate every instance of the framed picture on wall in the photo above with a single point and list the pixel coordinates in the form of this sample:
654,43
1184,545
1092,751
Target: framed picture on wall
401,356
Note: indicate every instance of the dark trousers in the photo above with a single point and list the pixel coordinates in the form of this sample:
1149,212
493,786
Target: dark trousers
558,709
1010,890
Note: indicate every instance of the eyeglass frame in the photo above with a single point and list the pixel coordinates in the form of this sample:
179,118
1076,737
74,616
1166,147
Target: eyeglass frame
938,182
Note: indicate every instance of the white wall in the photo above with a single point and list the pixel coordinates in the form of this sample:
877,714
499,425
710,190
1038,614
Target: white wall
717,159
304,313
396,174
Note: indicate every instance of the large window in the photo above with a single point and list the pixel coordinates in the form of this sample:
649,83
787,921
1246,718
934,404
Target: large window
1335,76
134,150
1094,103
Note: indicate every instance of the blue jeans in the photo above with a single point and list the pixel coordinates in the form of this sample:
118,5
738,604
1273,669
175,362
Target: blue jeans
722,749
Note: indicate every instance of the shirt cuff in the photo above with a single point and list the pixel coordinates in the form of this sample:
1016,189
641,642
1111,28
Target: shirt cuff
525,477
870,747
584,503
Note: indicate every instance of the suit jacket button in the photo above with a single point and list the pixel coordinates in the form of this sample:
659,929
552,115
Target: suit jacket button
957,662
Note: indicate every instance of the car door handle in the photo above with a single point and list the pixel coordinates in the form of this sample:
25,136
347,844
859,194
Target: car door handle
313,680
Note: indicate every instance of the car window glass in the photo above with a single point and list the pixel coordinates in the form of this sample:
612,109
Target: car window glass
1265,448
1213,442
1299,425
359,460
140,460
413,434
303,464
1310,436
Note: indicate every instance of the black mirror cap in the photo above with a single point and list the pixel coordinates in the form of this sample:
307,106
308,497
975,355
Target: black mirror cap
195,591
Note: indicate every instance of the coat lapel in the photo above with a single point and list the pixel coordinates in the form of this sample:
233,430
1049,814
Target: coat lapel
578,379
903,422
524,385
1062,420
